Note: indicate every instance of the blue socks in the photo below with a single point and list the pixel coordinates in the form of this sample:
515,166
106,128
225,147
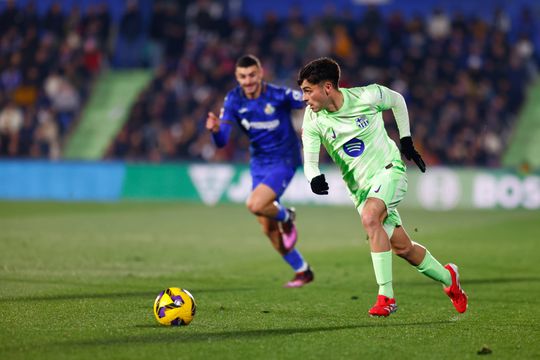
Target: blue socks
283,214
296,261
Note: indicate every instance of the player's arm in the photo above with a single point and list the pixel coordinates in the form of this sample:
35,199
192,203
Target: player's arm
220,129
294,99
311,147
221,126
311,169
390,99
296,117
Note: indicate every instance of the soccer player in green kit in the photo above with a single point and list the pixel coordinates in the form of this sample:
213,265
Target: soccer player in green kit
349,124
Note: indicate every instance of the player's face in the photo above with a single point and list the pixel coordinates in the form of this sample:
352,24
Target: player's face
315,95
250,79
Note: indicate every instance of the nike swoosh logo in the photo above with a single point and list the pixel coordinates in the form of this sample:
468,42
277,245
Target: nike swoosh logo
333,134
379,188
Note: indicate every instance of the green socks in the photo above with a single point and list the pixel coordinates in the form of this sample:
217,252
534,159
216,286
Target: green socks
382,264
434,270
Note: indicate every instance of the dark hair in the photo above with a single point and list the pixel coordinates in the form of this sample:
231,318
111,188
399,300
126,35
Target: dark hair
247,61
322,69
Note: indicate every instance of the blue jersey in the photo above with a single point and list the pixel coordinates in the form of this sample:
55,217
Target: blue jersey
266,120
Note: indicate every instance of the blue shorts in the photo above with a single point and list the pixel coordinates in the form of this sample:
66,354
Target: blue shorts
277,177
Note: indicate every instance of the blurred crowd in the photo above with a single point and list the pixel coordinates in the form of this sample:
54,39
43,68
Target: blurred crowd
47,67
464,77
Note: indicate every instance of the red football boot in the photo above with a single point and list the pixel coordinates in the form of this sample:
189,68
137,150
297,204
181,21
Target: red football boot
383,307
454,291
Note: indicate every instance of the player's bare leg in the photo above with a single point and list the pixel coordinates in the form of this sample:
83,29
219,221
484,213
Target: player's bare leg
270,228
261,203
373,214
404,247
418,256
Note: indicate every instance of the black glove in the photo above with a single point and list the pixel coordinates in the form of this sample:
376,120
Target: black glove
319,185
407,148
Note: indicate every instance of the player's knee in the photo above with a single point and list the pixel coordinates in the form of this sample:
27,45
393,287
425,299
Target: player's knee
254,206
370,220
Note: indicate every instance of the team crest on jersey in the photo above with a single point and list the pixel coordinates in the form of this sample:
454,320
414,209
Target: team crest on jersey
269,109
362,122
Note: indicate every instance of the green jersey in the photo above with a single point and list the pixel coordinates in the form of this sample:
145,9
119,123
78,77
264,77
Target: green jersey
354,136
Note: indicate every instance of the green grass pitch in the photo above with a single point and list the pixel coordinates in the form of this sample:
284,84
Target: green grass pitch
77,281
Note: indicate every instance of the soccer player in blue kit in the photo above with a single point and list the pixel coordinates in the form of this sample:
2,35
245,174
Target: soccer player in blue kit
263,113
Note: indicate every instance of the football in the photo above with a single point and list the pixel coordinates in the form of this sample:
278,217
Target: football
174,306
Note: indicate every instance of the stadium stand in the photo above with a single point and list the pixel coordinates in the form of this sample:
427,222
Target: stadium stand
47,66
465,77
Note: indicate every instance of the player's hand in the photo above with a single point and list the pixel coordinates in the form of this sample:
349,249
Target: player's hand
319,185
407,148
212,122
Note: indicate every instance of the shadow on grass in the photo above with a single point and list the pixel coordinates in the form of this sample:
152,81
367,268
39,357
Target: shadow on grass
465,282
108,296
45,281
502,280
171,334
